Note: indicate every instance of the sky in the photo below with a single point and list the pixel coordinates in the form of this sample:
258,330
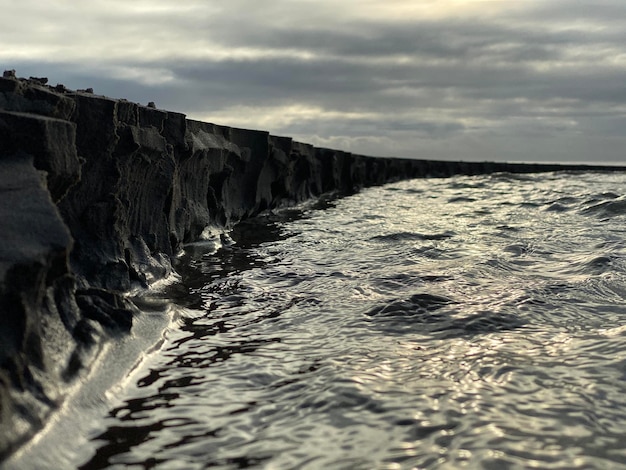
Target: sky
496,80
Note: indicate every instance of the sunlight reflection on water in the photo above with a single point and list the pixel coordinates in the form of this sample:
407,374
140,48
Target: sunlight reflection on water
474,321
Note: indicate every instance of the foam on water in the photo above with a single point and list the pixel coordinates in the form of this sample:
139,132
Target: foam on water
433,323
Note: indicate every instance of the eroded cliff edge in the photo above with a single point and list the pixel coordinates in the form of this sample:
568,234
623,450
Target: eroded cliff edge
97,195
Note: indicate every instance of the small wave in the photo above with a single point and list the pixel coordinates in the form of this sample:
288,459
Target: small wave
605,195
618,245
518,249
405,190
461,199
594,199
436,278
569,200
479,323
609,208
431,252
511,177
508,228
468,185
557,207
413,236
591,265
427,311
416,305
394,282
499,264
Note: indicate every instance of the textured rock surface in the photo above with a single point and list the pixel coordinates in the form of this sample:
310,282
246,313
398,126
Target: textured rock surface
97,195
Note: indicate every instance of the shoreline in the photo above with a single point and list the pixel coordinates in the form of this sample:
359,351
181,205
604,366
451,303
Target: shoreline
99,197
64,441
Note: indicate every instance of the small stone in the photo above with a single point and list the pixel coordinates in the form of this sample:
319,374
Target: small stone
86,90
151,104
60,88
9,74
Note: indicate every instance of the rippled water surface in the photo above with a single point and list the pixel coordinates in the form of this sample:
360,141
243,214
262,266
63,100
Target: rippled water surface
434,323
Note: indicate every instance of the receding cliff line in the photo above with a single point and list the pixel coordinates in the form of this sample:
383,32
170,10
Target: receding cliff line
97,195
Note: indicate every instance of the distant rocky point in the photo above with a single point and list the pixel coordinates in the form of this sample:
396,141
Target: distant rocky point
96,197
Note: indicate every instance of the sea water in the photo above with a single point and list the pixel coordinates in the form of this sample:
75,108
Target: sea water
472,322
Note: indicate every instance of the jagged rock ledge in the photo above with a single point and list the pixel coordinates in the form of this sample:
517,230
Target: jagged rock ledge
97,195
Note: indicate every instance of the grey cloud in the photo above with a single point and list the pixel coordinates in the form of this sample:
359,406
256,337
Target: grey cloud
444,39
605,12
359,85
363,127
449,85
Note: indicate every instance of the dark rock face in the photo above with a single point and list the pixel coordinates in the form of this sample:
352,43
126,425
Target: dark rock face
35,298
97,195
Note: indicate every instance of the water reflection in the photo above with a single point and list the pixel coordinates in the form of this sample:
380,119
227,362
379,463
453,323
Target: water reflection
474,321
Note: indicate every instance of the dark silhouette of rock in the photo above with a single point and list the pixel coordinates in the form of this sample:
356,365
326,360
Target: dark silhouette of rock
97,195
39,80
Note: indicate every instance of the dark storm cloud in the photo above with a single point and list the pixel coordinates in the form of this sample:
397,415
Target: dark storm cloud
361,74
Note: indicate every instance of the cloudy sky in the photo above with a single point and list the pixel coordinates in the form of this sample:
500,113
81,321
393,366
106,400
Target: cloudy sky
531,80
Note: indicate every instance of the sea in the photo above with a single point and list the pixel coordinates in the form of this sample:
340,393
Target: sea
438,323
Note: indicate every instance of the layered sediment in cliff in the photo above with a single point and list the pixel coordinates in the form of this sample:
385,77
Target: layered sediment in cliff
97,195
